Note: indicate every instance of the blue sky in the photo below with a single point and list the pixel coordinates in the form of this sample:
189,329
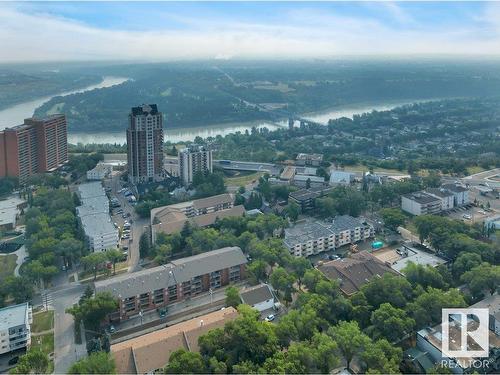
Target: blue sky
157,31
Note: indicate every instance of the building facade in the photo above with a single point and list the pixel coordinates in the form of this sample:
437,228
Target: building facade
194,159
313,160
37,146
420,203
173,282
445,196
145,144
99,172
460,194
311,237
15,327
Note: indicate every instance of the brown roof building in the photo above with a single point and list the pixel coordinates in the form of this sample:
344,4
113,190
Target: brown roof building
37,146
151,352
354,272
200,212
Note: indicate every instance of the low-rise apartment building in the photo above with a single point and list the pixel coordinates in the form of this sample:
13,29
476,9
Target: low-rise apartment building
150,353
446,197
99,172
354,272
305,198
200,212
310,236
93,214
313,160
420,203
173,282
460,194
15,327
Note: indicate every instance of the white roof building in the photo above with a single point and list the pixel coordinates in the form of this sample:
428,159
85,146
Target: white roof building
15,332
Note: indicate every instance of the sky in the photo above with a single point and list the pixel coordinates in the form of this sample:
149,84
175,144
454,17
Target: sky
165,31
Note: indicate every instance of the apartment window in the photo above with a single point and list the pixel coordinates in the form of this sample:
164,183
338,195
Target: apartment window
144,299
172,293
159,297
130,304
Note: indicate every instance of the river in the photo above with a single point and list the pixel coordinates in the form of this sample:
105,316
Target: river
188,134
16,114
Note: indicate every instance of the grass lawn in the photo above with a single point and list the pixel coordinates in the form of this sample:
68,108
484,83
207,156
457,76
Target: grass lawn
43,321
475,169
43,342
243,180
7,265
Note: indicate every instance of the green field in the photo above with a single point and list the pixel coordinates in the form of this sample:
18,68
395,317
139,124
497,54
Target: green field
243,179
43,321
7,265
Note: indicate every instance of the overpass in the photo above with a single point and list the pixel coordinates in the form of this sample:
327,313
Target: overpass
236,165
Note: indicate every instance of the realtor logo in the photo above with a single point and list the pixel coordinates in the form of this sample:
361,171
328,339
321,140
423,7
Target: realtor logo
465,333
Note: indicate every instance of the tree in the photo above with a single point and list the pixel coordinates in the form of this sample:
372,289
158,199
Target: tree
258,269
114,256
390,288
95,363
94,261
481,278
426,308
393,217
465,262
92,311
381,357
69,249
144,246
299,265
33,362
184,362
282,280
292,210
391,322
232,296
424,275
350,340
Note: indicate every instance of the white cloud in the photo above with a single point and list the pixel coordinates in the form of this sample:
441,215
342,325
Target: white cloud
301,33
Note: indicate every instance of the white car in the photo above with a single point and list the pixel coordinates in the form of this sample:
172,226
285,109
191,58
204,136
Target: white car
270,318
467,217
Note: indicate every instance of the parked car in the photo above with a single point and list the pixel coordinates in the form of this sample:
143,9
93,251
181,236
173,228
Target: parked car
467,217
270,318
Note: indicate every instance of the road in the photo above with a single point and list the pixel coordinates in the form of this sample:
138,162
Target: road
137,227
65,349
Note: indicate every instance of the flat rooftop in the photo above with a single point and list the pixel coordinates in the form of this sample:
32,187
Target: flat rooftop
91,190
398,260
13,316
421,197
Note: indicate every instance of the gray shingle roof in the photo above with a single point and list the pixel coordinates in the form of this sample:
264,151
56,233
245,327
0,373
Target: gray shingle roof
258,294
175,272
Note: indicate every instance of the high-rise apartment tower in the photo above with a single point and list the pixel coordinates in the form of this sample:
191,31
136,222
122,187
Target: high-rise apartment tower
145,144
39,145
193,159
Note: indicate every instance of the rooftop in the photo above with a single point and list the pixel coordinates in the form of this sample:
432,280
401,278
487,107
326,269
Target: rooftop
13,316
175,272
145,109
454,188
150,352
421,197
287,173
257,294
310,229
355,271
304,178
399,259
97,223
91,190
492,303
302,156
439,192
304,194
341,177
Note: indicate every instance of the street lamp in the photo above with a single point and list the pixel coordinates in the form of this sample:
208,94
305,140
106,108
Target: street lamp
211,292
